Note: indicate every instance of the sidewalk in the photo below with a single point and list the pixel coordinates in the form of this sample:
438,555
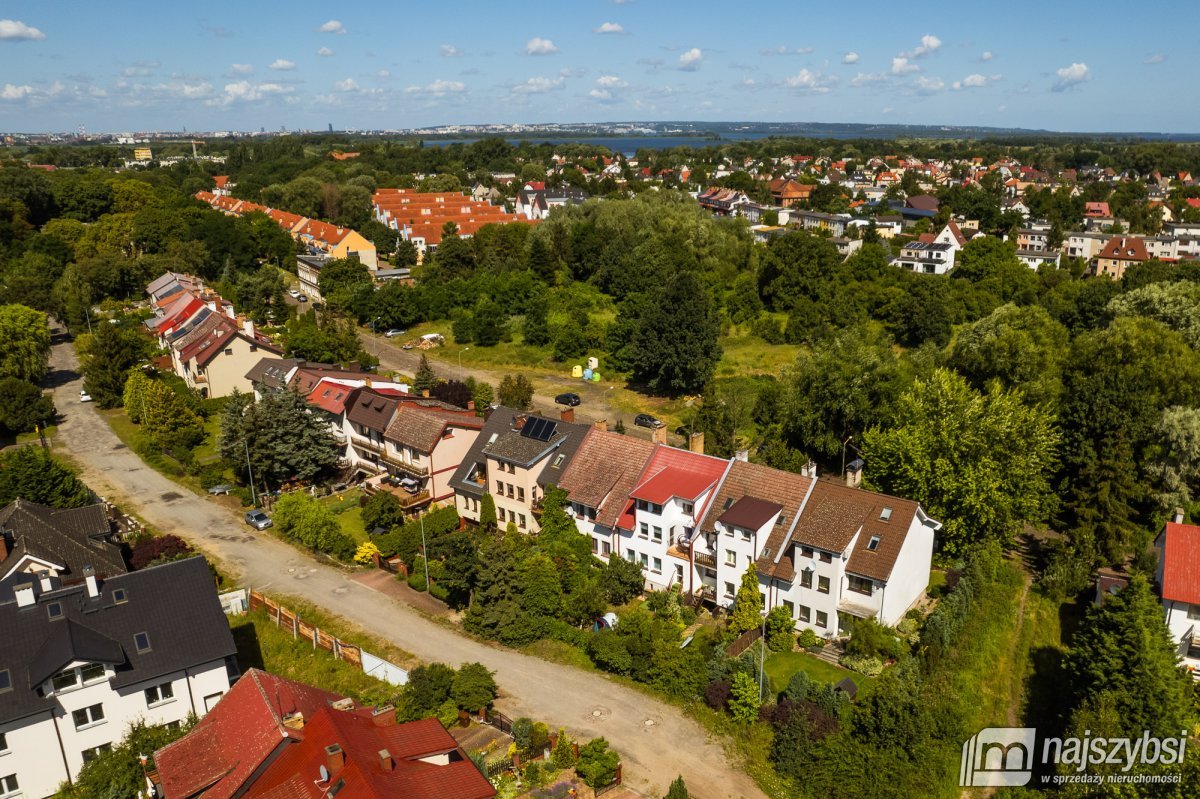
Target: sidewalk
387,584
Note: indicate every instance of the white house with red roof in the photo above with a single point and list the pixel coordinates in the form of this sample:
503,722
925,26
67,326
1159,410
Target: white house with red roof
1179,585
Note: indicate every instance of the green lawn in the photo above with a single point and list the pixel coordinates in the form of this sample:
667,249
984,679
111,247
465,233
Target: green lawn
50,431
348,514
782,665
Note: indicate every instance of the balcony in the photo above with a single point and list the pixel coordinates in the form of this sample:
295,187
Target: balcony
405,466
366,444
705,559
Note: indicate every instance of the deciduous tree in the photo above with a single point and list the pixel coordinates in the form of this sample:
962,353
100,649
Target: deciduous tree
26,340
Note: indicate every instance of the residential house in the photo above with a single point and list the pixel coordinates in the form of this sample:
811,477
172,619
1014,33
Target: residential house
1178,580
1085,244
535,201
1035,259
95,657
846,247
951,234
62,543
723,202
215,357
368,411
1119,254
786,192
336,242
1033,239
598,480
1164,248
515,458
834,224
929,258
308,269
427,443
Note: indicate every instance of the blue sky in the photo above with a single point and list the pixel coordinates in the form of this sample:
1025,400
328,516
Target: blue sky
123,66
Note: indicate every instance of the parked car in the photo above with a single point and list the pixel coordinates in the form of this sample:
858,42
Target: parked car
395,331
303,298
295,294
646,420
220,488
84,396
258,519
568,398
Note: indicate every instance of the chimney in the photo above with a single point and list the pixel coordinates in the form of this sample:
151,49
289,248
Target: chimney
1177,516
384,716
294,720
854,473
519,421
3,546
600,424
470,405
385,760
659,434
93,587
568,414
335,758
809,470
44,581
696,442
742,455
248,327
26,595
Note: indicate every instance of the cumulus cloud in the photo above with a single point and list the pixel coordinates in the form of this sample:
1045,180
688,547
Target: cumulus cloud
439,88
140,69
868,79
332,26
929,44
240,69
850,58
1071,75
690,61
282,64
539,85
246,92
539,46
902,66
14,30
347,85
610,82
449,51
325,52
1157,58
12,92
986,55
808,81
609,27
785,50
929,85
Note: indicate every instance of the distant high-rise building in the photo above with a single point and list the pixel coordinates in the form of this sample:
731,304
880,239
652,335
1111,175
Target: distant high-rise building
331,127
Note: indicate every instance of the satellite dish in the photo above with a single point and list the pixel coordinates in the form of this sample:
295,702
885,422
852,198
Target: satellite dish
324,774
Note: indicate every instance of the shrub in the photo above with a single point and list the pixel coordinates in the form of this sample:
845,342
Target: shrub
473,687
597,763
808,639
522,732
870,666
564,753
608,651
559,630
779,629
871,639
159,549
716,695
743,698
539,736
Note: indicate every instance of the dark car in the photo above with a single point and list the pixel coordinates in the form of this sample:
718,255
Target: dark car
258,519
568,398
646,420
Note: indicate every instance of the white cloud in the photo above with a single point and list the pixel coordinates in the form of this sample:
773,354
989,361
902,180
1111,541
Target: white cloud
929,44
785,50
282,64
929,85
808,81
690,61
240,69
332,26
245,92
186,90
868,79
1157,58
539,46
609,27
449,51
383,73
347,85
902,66
1070,76
850,58
439,88
986,55
974,80
325,52
601,95
11,92
140,69
539,85
15,30
610,82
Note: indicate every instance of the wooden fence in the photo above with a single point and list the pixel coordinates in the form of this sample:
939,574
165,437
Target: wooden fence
743,642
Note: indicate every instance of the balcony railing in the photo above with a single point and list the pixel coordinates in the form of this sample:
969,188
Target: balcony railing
406,466
705,559
367,444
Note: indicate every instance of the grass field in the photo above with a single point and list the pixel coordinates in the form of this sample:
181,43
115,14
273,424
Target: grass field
132,437
782,665
345,508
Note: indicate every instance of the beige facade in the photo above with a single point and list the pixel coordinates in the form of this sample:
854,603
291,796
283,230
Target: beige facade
227,369
515,490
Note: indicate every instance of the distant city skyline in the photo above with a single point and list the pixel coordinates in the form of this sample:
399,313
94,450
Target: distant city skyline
123,66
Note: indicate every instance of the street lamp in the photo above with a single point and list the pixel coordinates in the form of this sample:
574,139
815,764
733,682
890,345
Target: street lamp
762,655
460,352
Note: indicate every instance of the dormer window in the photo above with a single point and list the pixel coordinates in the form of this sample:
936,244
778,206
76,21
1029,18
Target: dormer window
873,544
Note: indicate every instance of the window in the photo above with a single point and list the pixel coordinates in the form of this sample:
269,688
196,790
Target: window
885,514
826,557
791,608
631,556
87,716
558,461
119,596
657,567
8,784
823,585
595,546
822,619
54,610
643,530
521,520
860,585
728,589
510,491
156,694
605,549
730,557
65,679
211,700
3,742
1193,615
5,681
688,508
746,534
92,672
806,552
803,613
95,752
873,544
520,493
229,351
142,642
500,487
658,535
806,578
645,560
728,530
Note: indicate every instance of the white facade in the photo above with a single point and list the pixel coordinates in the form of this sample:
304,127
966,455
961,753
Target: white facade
46,749
1085,245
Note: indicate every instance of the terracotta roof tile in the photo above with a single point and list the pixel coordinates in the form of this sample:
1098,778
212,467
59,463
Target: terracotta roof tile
603,472
421,427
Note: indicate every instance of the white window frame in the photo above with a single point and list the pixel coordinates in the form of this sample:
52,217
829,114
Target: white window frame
159,697
730,557
92,720
9,785
656,565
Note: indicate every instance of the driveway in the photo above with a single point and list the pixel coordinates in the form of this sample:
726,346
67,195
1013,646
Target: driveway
656,740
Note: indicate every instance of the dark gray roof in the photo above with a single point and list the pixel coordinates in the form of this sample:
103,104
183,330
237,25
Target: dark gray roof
174,604
71,538
272,372
501,440
750,513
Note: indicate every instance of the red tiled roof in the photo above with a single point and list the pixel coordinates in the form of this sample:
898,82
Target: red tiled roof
422,427
673,472
237,736
1181,563
296,773
330,396
1193,201
1096,209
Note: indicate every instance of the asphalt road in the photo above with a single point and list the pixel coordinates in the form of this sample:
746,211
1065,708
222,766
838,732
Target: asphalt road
656,740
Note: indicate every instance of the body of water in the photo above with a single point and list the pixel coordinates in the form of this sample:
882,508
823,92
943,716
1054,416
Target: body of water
617,144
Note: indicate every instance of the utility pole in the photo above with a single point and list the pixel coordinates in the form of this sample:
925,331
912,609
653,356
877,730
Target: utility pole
250,471
762,657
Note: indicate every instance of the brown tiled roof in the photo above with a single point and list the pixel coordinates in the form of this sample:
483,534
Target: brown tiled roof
421,427
835,513
750,513
604,471
371,409
1125,248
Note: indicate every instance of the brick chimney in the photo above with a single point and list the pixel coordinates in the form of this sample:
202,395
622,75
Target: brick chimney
384,716
854,473
696,442
601,425
335,758
568,414
519,421
659,434
385,760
